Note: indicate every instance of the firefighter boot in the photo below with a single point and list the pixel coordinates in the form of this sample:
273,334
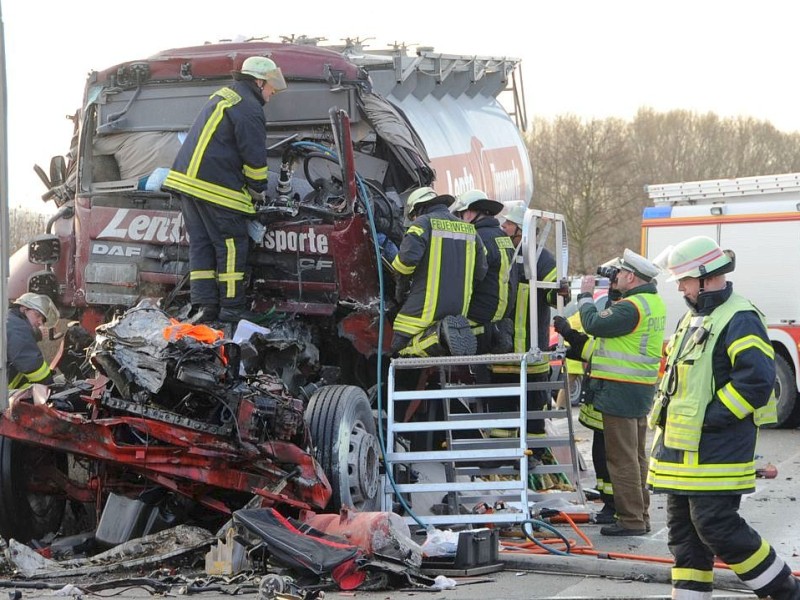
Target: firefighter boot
457,335
606,516
234,314
789,590
205,314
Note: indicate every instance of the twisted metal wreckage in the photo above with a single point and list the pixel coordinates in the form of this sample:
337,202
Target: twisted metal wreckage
179,429
176,430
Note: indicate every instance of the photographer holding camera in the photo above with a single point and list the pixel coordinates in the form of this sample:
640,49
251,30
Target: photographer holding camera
624,353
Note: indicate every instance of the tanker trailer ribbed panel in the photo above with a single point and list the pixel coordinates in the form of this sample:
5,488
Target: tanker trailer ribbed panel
472,143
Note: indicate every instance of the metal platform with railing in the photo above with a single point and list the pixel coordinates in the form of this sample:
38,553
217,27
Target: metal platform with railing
454,422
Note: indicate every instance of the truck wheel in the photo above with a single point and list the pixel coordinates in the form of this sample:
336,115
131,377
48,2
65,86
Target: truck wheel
575,389
345,443
30,505
785,394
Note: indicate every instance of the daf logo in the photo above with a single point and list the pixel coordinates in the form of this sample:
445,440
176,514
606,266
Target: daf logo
296,241
123,250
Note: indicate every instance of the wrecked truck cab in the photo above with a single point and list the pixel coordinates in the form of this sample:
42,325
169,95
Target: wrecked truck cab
170,409
347,141
121,238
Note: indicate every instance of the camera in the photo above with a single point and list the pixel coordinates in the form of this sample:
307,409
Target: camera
610,272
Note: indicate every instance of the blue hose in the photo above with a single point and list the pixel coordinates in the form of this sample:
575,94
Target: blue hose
362,193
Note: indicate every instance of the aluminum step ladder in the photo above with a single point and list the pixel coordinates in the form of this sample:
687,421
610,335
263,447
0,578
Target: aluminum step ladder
475,469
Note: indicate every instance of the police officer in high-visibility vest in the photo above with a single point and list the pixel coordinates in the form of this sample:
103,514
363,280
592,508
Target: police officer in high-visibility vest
624,353
716,390
25,363
440,258
223,158
592,418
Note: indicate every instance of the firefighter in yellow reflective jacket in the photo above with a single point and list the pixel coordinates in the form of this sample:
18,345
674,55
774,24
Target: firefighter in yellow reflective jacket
25,363
441,258
492,300
716,390
545,271
624,356
223,158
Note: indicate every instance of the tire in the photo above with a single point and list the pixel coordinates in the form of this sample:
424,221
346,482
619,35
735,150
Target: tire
26,514
345,444
785,394
576,383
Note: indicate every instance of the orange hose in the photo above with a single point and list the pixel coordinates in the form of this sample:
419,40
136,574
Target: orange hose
529,547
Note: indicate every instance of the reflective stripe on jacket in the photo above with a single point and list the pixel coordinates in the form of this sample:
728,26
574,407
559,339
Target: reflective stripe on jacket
225,151
545,271
25,363
707,442
635,357
492,298
444,256
590,417
692,374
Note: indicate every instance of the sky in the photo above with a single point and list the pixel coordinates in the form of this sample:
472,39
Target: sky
590,58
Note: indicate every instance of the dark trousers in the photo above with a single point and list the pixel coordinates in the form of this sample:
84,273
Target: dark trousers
537,399
626,458
704,526
218,246
601,469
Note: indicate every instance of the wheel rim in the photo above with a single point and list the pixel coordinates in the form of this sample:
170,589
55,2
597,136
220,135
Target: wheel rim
362,465
271,585
575,394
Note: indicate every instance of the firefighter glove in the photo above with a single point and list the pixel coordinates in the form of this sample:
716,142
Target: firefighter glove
576,339
562,326
402,288
260,199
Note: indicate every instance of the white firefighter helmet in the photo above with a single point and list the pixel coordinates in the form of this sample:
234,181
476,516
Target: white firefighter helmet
699,256
264,68
423,195
41,304
516,214
476,200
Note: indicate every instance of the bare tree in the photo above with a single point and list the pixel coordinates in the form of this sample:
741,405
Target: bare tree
580,171
594,172
24,225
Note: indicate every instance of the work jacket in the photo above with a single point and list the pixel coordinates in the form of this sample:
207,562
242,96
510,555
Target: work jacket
545,271
444,257
625,350
25,363
717,389
588,415
225,151
492,297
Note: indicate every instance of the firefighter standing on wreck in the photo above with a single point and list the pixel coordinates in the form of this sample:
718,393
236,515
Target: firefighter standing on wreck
224,154
25,362
716,390
443,257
